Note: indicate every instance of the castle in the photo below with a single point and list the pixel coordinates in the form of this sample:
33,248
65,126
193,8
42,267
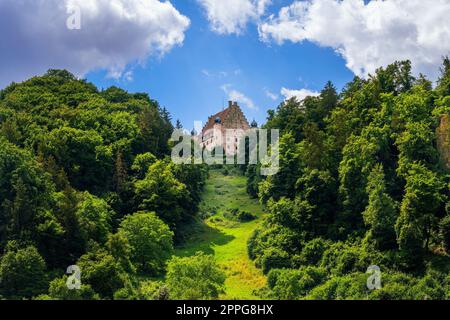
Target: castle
225,129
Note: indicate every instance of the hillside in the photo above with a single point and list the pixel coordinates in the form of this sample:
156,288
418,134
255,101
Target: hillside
227,239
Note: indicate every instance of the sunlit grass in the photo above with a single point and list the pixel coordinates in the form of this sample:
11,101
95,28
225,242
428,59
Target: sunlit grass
225,239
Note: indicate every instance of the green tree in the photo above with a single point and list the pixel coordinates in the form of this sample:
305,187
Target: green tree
150,239
94,217
162,193
101,271
22,273
119,247
380,214
443,87
194,278
142,163
417,213
25,197
281,184
82,155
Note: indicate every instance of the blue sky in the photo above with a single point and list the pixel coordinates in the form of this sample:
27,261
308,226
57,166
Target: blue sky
189,79
194,55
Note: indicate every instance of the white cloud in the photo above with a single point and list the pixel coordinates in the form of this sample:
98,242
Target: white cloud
113,34
234,95
299,94
369,35
271,95
128,76
206,73
220,74
232,16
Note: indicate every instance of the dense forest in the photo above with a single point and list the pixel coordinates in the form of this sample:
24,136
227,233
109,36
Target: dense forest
364,181
86,180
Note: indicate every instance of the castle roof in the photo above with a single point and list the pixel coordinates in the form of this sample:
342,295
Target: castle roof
223,116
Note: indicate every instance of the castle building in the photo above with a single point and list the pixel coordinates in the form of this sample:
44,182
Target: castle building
225,129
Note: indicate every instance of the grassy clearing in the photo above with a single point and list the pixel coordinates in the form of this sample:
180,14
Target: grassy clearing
226,239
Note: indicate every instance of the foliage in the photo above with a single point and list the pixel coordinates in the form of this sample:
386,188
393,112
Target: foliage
58,290
101,271
194,278
361,183
150,240
22,273
292,284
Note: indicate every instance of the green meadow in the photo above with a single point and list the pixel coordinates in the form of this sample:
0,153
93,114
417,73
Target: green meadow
225,238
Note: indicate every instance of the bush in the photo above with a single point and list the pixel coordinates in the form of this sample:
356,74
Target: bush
252,245
430,287
22,274
395,286
240,216
313,251
273,237
101,271
290,284
146,290
349,287
194,278
274,258
341,259
153,290
59,291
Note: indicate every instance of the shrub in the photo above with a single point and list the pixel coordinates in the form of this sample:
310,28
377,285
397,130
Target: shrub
313,251
194,278
240,216
59,291
101,271
274,258
291,284
146,290
22,273
352,286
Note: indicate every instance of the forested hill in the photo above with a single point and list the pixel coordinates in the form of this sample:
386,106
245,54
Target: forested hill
84,180
364,181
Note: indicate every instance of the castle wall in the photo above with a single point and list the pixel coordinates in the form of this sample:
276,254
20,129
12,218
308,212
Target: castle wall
228,133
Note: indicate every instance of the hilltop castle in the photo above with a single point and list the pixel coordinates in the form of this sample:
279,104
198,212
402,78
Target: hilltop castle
225,129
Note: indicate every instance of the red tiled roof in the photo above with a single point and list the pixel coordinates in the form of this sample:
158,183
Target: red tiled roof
222,115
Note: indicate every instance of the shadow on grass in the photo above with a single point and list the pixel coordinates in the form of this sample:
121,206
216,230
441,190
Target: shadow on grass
201,237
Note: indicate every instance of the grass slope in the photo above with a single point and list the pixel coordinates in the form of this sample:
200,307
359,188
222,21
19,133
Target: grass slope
226,239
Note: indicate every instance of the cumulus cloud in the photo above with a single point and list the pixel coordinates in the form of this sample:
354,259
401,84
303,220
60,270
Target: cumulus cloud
113,34
368,35
300,94
232,16
234,95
